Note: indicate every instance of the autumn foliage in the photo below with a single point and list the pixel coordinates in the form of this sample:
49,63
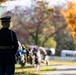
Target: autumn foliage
1,1
69,14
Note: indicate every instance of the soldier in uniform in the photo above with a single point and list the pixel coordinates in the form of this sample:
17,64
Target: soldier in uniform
8,47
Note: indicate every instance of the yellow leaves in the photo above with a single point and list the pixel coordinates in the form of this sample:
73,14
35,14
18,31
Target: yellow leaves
71,5
49,9
48,30
72,29
73,35
70,17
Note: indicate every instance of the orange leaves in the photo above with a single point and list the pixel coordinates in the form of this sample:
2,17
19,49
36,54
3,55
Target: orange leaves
69,14
2,1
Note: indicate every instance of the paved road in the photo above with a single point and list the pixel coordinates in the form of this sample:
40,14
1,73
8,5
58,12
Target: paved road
62,70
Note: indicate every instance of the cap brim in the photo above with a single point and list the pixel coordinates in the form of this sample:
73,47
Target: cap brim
6,21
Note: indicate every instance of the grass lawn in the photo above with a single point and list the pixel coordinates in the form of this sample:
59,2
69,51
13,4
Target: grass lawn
29,70
63,63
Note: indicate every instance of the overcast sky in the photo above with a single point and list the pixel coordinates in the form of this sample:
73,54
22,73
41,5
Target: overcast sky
28,2
12,4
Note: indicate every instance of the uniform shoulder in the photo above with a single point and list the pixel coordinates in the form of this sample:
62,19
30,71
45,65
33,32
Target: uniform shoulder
12,31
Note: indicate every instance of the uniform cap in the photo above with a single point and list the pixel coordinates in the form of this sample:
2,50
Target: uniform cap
5,19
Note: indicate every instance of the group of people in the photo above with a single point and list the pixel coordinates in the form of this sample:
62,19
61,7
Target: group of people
9,46
32,55
29,55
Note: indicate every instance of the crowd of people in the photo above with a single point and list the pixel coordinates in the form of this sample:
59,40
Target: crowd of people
28,54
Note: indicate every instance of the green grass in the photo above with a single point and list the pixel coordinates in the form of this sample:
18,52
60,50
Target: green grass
71,63
29,70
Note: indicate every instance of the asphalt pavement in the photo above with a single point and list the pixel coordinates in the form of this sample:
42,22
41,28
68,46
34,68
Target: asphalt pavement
62,70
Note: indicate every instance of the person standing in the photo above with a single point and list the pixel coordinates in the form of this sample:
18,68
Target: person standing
8,47
36,57
37,63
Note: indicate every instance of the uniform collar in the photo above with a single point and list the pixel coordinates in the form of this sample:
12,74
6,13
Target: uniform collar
4,28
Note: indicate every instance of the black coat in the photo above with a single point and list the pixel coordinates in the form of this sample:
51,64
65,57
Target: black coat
7,55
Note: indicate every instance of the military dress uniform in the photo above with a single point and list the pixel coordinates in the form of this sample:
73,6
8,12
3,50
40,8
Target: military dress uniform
8,49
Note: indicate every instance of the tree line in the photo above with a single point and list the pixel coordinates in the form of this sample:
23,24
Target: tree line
43,25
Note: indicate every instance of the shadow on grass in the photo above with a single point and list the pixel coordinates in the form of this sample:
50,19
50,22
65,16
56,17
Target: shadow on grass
48,70
26,73
34,72
25,67
29,70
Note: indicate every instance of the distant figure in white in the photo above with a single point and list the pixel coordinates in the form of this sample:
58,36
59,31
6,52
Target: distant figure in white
36,58
45,57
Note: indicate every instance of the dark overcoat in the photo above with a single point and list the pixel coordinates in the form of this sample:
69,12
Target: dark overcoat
8,46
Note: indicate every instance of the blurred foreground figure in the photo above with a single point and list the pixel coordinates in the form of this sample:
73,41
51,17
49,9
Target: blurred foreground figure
8,47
